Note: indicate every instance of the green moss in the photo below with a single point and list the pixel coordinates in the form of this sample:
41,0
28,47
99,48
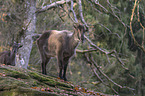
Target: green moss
40,78
51,82
22,82
26,92
17,74
8,83
14,73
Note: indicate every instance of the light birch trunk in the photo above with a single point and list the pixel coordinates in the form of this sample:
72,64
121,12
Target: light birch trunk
27,41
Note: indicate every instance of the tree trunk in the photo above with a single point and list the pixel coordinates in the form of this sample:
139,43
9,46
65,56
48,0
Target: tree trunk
26,40
139,60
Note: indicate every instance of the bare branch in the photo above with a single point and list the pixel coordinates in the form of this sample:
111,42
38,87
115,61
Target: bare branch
109,30
85,51
98,4
96,65
94,70
107,76
71,9
113,6
81,12
107,53
52,5
108,12
131,19
97,68
113,13
90,3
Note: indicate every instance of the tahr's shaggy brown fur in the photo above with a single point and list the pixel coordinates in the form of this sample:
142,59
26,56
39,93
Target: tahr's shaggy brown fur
59,44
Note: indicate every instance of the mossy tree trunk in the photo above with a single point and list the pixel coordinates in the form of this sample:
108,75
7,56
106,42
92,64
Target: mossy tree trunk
26,39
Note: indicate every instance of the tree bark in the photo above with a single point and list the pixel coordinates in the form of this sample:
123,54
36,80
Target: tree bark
26,40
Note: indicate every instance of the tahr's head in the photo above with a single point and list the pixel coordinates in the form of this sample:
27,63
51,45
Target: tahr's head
81,29
16,46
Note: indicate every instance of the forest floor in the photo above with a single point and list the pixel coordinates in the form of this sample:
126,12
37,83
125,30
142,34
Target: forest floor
16,81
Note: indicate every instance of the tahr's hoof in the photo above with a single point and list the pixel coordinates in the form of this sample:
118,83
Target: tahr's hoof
65,79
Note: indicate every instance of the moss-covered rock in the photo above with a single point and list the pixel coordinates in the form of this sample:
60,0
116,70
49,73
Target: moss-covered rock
23,82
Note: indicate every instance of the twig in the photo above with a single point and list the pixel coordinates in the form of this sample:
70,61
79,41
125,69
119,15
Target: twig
98,68
90,3
115,14
110,32
107,53
92,62
97,3
94,70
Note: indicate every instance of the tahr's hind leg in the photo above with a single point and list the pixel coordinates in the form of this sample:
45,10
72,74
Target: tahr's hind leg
65,64
60,68
60,62
43,65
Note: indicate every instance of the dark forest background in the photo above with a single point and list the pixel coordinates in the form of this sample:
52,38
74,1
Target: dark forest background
112,58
